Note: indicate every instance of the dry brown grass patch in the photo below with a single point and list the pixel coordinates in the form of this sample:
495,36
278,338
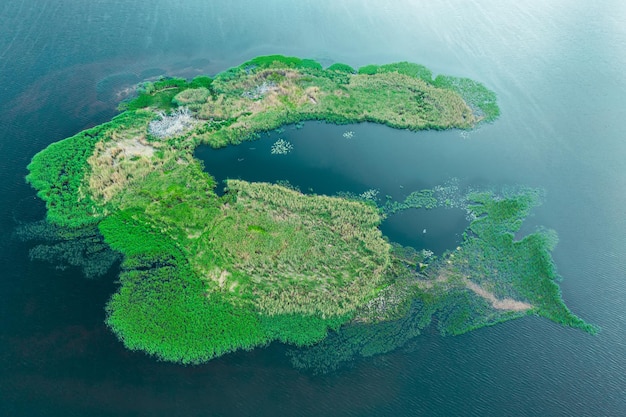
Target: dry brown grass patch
114,164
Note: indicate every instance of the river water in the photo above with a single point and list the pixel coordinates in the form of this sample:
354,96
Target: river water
557,68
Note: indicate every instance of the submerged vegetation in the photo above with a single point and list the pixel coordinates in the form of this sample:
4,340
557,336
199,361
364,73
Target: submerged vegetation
82,248
204,274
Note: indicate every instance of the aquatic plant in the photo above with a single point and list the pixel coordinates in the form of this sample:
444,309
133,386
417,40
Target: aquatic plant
83,248
354,340
371,194
482,101
281,147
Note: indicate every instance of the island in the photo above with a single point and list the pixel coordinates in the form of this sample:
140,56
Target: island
204,274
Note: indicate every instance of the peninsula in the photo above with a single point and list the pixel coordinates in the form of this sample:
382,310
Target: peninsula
203,275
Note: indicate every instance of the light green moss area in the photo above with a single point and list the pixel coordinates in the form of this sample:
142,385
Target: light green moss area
204,275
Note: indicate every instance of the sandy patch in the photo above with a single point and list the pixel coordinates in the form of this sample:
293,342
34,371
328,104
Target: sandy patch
508,304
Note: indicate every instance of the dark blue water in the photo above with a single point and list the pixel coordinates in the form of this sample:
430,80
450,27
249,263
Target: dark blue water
558,71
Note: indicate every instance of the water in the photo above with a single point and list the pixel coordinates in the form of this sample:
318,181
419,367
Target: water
558,72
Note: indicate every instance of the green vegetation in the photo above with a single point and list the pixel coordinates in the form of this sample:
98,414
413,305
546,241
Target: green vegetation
339,67
406,68
162,306
511,269
160,94
488,279
82,247
481,100
203,275
417,199
61,172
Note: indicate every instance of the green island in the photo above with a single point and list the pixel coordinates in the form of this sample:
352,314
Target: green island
204,274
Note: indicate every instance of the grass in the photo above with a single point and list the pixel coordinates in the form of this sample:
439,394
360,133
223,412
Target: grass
329,250
204,275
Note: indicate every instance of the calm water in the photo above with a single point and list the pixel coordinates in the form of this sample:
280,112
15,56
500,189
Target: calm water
558,71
